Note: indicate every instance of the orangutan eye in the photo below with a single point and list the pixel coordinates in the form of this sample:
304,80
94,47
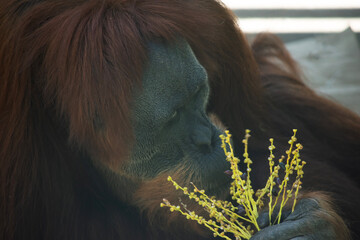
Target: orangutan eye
174,116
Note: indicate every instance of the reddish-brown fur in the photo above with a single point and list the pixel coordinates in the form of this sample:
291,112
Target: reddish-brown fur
68,69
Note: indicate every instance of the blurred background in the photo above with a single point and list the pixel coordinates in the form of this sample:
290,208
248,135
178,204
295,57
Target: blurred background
322,35
293,20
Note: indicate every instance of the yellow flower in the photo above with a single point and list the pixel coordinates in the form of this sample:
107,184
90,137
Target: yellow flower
241,221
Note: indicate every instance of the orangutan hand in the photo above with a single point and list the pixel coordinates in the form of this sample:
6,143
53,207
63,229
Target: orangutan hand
308,221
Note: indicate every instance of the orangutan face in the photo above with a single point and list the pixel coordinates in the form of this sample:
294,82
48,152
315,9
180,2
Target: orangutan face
172,129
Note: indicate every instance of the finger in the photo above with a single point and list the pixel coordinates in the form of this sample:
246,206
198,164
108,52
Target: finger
284,231
263,220
304,208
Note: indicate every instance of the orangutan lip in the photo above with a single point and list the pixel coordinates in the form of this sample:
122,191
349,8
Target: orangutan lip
222,194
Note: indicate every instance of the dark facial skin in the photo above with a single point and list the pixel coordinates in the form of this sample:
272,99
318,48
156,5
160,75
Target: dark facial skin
171,126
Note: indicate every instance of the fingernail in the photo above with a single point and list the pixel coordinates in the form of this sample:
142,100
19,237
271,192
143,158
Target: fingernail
243,177
278,181
241,209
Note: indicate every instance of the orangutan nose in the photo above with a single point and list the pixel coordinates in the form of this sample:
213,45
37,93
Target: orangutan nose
202,137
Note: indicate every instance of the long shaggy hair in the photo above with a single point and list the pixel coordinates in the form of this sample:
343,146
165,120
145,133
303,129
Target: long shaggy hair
68,68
